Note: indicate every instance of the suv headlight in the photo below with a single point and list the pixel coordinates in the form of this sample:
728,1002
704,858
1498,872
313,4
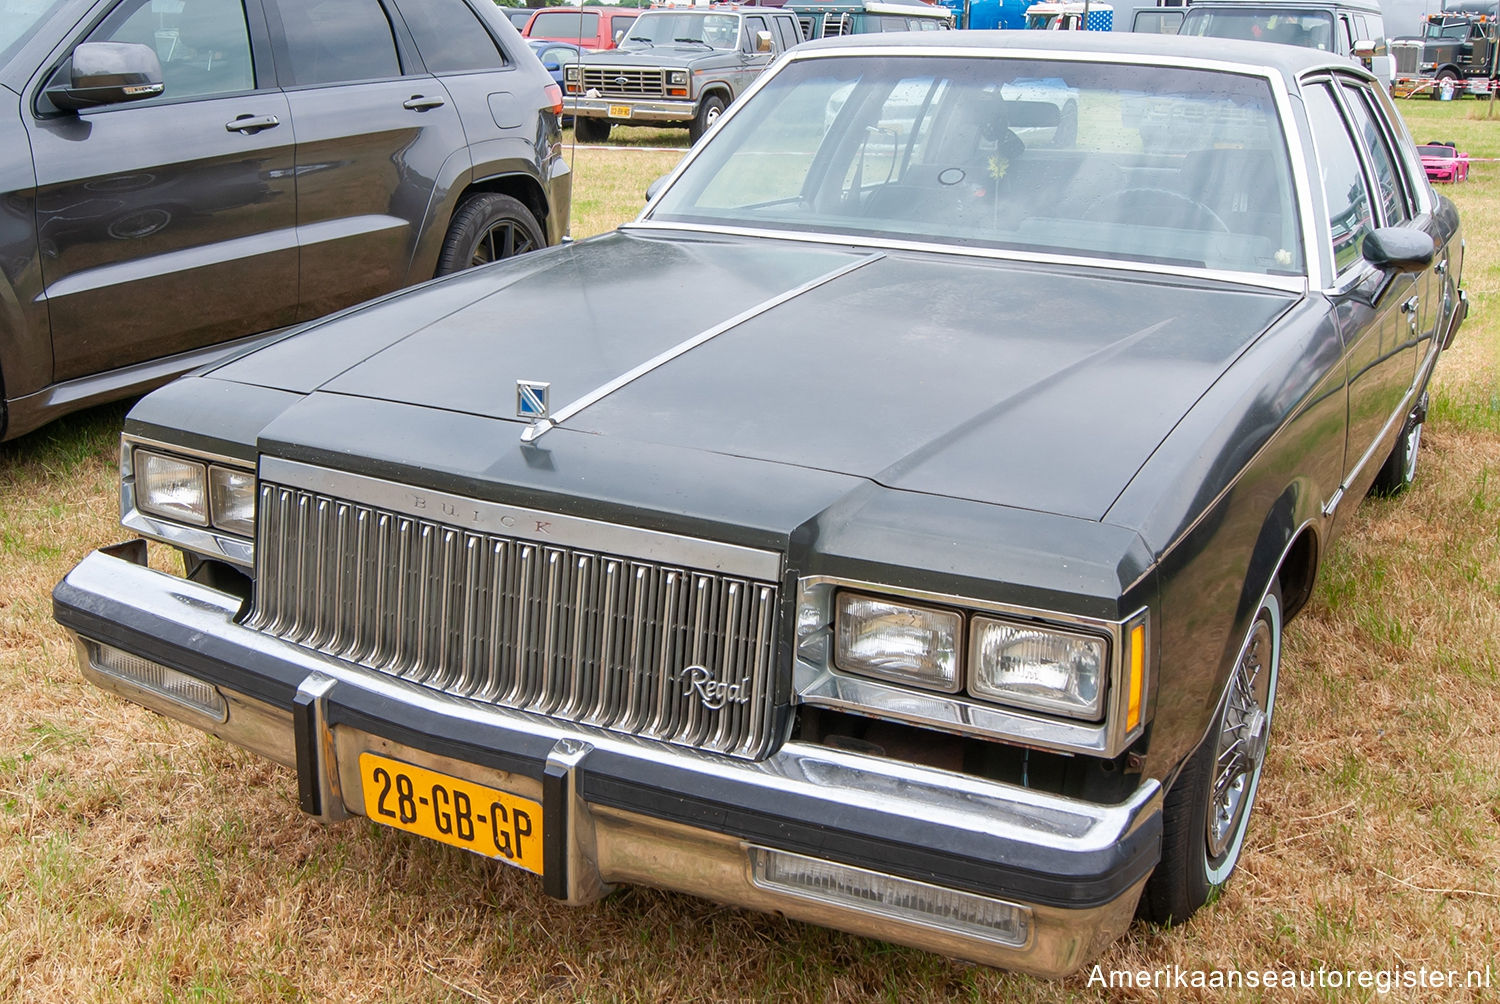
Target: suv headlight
677,78
898,641
1040,668
195,492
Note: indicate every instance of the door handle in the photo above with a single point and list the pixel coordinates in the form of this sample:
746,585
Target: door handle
420,103
1410,306
251,124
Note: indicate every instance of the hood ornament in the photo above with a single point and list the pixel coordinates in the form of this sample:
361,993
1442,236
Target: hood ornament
531,399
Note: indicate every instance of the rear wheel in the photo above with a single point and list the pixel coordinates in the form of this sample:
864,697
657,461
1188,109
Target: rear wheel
708,113
1400,468
486,228
1205,815
591,130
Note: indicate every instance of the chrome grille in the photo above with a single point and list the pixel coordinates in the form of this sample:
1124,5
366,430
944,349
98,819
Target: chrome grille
611,82
638,646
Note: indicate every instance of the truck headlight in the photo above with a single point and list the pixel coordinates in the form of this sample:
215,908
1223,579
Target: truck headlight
231,500
677,78
171,487
1040,668
898,641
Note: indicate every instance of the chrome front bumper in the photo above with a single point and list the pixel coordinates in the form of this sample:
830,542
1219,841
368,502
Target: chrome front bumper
619,809
659,110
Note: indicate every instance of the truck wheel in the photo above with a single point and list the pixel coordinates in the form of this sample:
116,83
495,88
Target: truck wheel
708,114
1206,813
486,228
591,130
1444,77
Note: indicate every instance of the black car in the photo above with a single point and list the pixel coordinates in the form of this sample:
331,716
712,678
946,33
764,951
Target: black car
178,175
897,532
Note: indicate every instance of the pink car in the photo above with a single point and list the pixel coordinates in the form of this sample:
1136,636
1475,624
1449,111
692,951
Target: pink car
1444,162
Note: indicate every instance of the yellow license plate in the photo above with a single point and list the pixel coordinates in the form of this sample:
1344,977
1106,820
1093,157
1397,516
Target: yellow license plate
477,818
619,111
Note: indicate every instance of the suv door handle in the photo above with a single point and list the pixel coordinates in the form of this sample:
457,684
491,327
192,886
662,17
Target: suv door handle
251,124
1410,306
420,103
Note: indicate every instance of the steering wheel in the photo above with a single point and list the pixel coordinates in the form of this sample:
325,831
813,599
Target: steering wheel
1157,202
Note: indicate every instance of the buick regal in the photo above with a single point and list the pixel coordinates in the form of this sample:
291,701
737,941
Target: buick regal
897,531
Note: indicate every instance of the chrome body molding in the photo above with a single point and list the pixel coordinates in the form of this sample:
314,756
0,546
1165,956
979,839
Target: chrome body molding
816,681
520,522
204,540
613,843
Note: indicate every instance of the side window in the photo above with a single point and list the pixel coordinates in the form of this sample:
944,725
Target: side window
1394,202
332,41
1346,33
1349,213
753,27
203,45
450,36
786,32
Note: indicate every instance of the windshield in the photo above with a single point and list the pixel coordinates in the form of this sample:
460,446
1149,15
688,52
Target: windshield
1308,29
1459,31
1442,152
19,19
1148,164
718,31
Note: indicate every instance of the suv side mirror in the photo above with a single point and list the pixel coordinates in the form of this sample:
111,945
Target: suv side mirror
107,73
762,41
1364,50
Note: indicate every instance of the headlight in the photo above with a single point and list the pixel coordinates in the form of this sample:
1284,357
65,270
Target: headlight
898,641
171,487
571,73
1040,668
678,77
195,492
231,497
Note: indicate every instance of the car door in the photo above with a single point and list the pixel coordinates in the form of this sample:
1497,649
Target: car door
752,62
1375,309
374,131
166,224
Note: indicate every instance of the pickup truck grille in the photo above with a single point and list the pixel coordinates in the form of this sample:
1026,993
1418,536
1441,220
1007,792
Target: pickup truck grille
612,82
644,647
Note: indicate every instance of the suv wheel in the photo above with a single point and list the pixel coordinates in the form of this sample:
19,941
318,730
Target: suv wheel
708,114
486,228
591,130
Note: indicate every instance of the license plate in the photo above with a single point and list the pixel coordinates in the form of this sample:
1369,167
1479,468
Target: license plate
619,111
477,818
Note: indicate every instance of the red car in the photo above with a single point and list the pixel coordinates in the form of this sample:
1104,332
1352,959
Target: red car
1444,162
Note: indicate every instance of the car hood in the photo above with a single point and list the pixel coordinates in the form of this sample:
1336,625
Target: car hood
999,382
665,53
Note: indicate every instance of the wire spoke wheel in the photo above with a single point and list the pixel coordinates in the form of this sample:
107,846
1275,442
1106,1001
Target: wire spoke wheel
1242,740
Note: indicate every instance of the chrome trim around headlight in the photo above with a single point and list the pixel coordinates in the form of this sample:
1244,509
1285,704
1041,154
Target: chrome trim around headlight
816,681
207,541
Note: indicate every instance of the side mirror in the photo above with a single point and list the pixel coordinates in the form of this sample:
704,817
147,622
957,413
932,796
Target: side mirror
1399,249
619,34
762,41
1364,50
551,65
107,73
655,187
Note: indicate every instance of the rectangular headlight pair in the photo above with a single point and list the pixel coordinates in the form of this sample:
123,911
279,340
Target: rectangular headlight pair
195,492
1010,662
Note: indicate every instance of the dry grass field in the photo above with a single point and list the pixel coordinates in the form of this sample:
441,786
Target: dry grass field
143,861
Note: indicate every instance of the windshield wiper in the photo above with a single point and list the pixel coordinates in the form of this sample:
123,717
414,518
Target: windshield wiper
699,41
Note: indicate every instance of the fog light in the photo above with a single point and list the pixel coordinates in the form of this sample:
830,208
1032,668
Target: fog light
176,687
899,899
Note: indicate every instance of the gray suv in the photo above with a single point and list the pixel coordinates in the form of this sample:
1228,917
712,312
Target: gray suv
676,67
181,175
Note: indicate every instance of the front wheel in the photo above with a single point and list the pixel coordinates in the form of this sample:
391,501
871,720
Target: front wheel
1207,811
486,228
708,114
591,130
